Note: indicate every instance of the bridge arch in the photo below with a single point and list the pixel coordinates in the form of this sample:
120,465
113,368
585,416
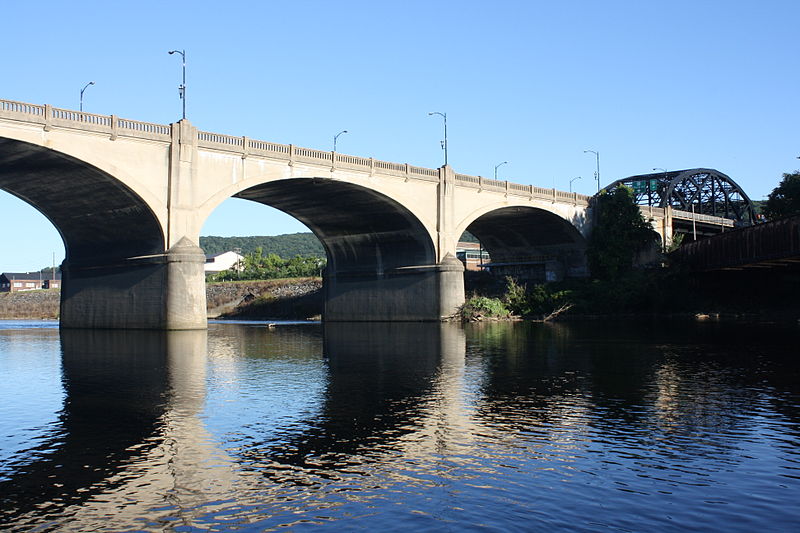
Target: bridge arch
382,260
360,228
98,216
530,242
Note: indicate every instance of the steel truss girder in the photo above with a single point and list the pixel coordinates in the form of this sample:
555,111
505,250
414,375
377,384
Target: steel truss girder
702,190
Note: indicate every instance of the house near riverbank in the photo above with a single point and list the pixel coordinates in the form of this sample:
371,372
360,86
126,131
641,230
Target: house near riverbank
224,261
29,281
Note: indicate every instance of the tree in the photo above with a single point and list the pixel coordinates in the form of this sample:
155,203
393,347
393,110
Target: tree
619,234
784,200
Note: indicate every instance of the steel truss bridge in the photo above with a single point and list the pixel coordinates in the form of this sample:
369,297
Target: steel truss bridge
699,192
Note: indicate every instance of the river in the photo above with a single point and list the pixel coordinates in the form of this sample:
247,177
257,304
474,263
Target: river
679,426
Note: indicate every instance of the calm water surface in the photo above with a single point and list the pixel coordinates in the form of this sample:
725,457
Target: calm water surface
394,427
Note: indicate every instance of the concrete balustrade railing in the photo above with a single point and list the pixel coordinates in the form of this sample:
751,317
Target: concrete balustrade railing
49,117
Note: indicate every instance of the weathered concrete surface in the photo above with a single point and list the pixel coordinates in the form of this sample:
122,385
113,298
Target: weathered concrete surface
417,293
164,291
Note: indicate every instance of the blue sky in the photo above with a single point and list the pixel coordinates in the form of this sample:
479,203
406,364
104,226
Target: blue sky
671,84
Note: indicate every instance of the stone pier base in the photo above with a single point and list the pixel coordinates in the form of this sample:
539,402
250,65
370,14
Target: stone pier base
163,292
414,293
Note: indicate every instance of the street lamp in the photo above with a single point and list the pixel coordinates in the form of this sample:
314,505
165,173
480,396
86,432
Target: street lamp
84,88
444,142
570,182
182,88
597,172
336,137
498,166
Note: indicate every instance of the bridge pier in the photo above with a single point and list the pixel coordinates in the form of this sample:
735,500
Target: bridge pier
162,292
413,293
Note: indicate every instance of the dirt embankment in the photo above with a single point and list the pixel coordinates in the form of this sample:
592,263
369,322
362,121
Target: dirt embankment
289,299
30,304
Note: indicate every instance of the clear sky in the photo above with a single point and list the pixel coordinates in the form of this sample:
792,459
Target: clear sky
669,84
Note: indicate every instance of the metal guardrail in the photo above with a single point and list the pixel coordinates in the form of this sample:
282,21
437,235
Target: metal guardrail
705,219
776,242
49,116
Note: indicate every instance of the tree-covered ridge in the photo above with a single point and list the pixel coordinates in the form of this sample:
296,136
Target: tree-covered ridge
284,246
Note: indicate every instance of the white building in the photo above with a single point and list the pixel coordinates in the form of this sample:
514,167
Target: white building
224,261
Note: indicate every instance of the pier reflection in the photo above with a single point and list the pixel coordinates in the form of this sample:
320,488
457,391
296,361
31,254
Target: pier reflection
380,382
122,391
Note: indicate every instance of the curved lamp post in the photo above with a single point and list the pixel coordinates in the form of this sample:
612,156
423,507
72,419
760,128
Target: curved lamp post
84,88
444,142
597,172
570,182
336,137
498,166
182,88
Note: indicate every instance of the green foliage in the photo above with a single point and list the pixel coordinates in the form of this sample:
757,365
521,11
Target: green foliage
619,233
482,306
285,246
784,200
675,242
539,300
256,265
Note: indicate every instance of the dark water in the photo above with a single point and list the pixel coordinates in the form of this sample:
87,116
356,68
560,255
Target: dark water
395,427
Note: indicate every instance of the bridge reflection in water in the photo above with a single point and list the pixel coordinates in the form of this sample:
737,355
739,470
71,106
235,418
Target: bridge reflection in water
432,424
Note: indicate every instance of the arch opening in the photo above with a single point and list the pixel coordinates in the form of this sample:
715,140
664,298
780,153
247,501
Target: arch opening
530,244
361,230
98,217
382,261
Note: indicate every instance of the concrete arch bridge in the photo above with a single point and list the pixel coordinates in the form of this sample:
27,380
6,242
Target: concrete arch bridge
129,199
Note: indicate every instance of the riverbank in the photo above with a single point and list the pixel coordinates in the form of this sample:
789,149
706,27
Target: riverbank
641,294
296,298
39,304
286,299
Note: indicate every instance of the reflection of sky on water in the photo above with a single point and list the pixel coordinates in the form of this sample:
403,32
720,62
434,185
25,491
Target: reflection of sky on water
262,383
31,395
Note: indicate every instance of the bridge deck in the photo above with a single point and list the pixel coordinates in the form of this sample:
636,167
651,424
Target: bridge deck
774,244
50,117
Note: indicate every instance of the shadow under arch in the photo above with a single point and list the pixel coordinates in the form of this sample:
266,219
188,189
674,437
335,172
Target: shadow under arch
360,229
382,262
531,243
117,273
98,217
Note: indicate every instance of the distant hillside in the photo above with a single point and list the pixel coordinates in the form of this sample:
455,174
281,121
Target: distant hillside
284,246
